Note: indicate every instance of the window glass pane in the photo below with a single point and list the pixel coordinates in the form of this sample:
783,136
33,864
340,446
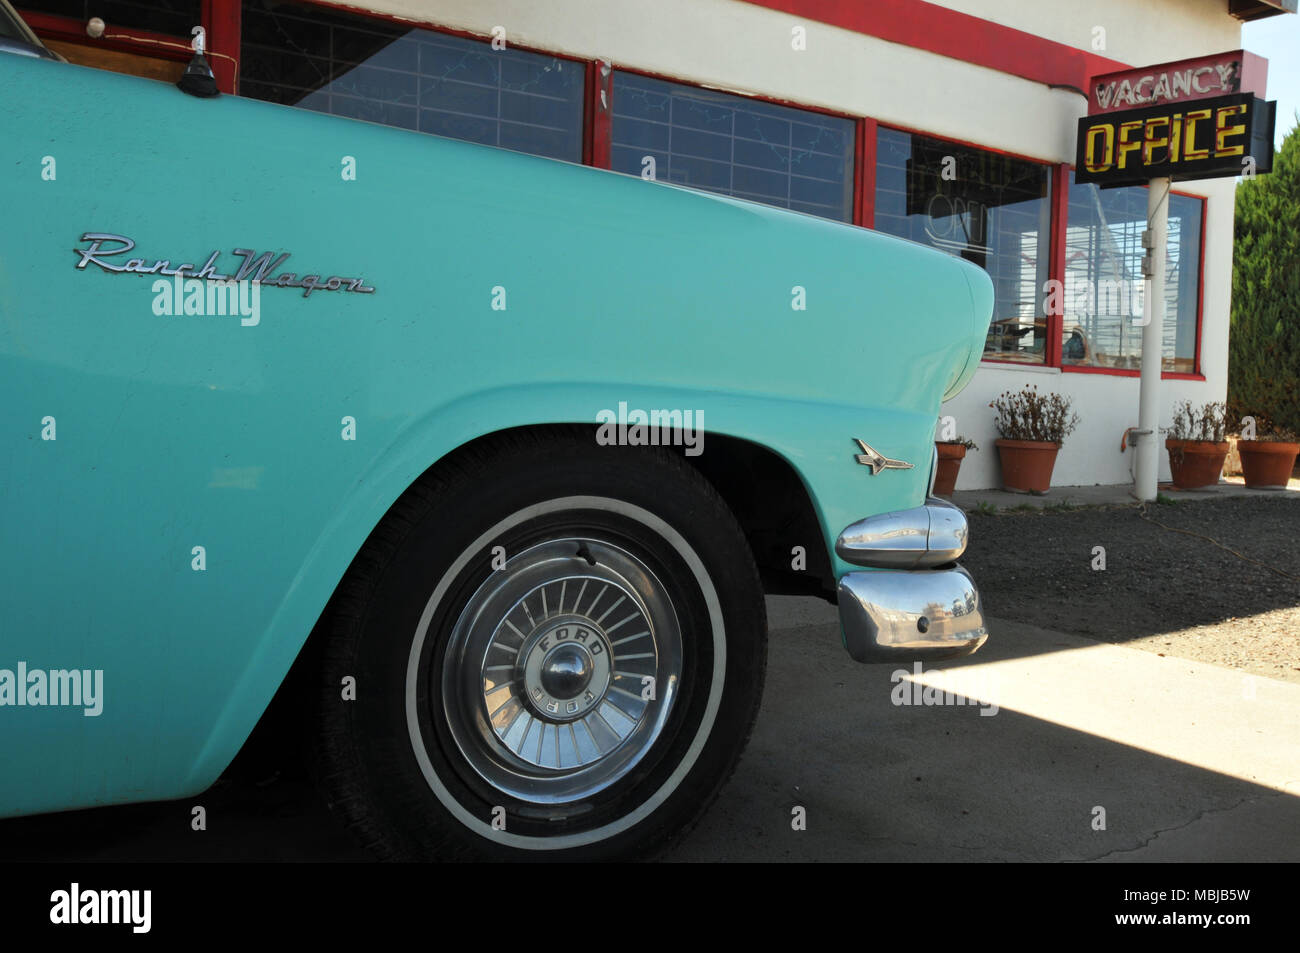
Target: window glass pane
742,147
372,69
174,17
988,208
1104,288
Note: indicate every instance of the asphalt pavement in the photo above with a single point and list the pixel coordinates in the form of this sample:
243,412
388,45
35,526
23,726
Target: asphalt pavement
1186,761
1043,746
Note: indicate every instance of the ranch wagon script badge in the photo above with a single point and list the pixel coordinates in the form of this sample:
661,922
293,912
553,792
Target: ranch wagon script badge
254,268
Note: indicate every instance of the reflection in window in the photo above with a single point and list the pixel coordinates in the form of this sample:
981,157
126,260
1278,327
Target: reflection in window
384,72
737,146
1104,288
173,17
988,208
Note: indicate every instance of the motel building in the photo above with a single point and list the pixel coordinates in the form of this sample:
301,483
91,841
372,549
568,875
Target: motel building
948,122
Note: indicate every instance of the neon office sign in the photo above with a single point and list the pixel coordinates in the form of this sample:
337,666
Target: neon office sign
1221,136
1184,81
1193,119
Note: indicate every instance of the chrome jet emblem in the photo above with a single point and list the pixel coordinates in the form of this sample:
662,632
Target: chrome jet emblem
878,461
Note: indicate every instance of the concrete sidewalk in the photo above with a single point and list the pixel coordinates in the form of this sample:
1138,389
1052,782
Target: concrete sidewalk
1120,494
1188,761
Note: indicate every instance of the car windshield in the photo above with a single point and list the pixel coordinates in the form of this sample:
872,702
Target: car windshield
16,36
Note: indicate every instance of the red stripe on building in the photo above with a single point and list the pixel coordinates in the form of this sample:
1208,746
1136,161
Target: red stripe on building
222,20
960,36
598,114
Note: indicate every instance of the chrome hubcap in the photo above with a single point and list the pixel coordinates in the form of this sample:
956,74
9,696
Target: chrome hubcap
561,670
565,672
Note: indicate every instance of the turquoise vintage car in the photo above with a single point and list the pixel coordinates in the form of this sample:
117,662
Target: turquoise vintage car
499,453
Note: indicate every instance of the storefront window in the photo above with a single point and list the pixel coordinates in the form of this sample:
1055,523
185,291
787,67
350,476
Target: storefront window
372,69
986,207
1104,288
737,146
61,24
174,17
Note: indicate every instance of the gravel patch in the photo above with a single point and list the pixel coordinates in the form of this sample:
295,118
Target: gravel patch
1161,590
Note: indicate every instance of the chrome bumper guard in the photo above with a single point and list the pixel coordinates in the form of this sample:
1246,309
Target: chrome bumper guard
906,610
897,615
928,535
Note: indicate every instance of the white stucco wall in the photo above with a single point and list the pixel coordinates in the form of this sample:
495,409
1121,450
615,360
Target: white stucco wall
739,46
1141,32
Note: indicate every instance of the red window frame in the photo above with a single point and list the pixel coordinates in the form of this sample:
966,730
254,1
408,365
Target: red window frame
1060,222
223,20
220,20
1056,236
123,39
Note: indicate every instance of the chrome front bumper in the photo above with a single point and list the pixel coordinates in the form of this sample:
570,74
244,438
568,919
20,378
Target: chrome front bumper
927,610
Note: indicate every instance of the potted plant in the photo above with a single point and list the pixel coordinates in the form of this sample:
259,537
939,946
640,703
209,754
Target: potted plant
1031,427
1197,446
951,454
1268,457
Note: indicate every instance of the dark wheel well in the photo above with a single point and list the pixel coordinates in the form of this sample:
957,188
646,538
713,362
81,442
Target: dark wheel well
774,510
769,501
767,497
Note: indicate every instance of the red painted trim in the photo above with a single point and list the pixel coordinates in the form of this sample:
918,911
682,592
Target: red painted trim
1200,289
1200,280
124,39
1127,372
222,19
1060,217
1005,363
864,174
959,36
598,117
1091,369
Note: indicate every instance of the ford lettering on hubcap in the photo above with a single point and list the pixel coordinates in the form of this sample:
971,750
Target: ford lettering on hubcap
561,670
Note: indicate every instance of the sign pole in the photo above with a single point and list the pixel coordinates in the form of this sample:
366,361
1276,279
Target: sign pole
1198,118
1147,470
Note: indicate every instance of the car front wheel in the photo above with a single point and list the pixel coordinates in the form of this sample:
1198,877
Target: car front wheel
562,659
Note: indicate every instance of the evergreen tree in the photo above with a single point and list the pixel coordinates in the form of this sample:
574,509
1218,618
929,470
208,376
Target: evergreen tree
1264,339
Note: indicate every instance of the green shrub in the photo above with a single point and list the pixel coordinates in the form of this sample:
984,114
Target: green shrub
1264,340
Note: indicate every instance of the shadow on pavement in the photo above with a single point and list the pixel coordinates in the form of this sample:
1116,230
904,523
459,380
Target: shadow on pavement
878,782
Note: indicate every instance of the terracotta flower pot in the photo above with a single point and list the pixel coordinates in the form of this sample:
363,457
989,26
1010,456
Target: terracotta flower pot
1027,464
1265,464
950,458
1195,463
